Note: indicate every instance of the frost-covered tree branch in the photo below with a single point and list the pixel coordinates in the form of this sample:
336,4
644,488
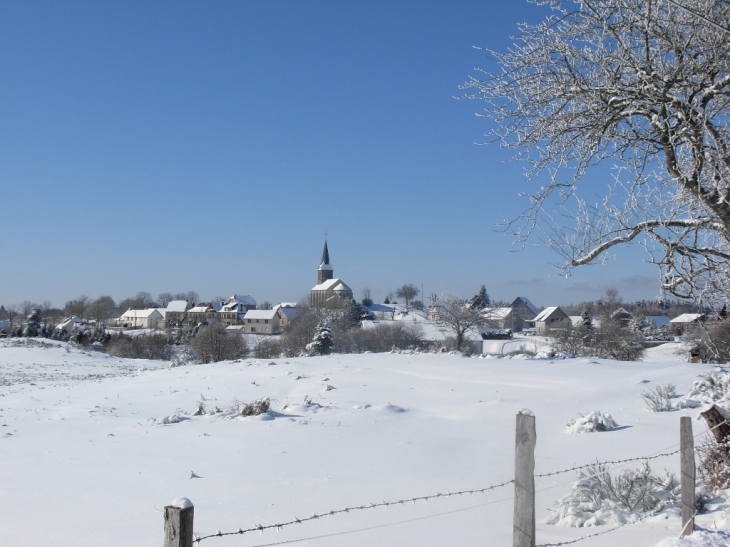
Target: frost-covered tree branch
641,83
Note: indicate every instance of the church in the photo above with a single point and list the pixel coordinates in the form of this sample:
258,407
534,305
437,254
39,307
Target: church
329,292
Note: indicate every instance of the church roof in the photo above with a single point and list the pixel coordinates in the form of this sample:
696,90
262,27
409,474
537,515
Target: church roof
325,264
330,283
342,287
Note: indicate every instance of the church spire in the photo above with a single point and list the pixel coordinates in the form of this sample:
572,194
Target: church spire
325,270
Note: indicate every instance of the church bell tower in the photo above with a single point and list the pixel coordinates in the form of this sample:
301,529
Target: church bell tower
325,271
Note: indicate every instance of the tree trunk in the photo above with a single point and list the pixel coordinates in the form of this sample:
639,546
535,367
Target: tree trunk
717,424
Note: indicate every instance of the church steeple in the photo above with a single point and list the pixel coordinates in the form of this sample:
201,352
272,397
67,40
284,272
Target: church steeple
325,271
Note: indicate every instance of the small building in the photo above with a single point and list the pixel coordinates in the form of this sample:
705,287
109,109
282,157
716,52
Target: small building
551,318
261,322
621,316
69,324
201,313
680,323
287,312
524,308
140,319
503,319
175,312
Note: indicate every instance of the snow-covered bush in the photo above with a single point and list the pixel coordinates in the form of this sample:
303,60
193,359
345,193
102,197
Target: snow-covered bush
660,398
597,499
183,356
322,342
593,421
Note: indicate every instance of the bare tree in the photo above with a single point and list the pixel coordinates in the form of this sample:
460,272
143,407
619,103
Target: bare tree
458,316
165,298
408,292
212,344
646,86
77,306
102,308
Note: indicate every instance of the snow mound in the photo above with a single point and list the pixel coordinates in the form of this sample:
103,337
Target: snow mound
712,389
593,421
390,408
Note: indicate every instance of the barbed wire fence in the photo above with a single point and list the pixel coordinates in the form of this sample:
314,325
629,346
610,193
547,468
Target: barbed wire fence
179,520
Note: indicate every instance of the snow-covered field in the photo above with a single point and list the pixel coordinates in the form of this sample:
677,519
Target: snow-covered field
94,446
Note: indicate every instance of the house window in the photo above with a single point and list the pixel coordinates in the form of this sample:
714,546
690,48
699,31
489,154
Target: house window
249,320
266,320
253,329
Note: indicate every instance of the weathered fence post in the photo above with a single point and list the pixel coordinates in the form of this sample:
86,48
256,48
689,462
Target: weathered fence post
179,523
523,523
687,462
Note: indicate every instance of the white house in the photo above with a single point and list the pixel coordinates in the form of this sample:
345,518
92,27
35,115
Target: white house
261,322
140,319
681,322
287,312
550,318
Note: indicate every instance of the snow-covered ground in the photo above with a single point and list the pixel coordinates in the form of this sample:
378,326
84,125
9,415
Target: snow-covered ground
92,447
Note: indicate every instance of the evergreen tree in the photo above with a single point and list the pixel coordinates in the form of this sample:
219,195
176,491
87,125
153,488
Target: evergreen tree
322,342
386,301
481,300
33,327
351,314
586,322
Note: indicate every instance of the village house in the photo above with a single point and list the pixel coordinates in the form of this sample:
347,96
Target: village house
551,318
175,312
140,319
232,311
525,309
287,312
503,318
680,323
202,313
261,322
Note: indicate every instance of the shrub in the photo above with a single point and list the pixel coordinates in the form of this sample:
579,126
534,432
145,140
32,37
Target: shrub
269,348
597,498
659,399
593,421
212,343
146,346
714,464
259,406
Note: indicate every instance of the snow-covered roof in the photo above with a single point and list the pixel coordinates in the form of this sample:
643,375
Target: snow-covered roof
217,306
162,312
547,312
342,287
329,283
658,320
132,314
243,299
687,318
286,305
496,313
289,313
529,304
200,309
620,311
260,314
177,305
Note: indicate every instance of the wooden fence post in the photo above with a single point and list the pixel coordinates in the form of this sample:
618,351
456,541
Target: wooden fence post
523,523
179,523
687,462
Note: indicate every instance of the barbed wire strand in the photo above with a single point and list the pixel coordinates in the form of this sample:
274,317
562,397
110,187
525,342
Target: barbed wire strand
384,525
278,526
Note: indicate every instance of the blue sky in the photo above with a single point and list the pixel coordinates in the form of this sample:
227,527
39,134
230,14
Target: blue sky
208,146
